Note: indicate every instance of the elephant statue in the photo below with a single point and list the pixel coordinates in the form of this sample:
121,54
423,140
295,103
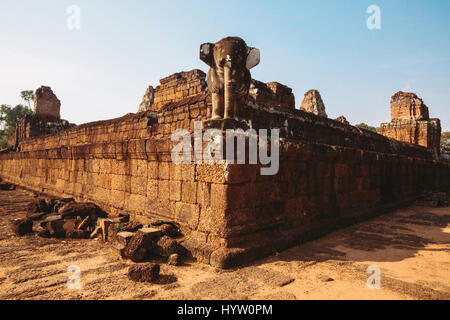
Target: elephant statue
229,77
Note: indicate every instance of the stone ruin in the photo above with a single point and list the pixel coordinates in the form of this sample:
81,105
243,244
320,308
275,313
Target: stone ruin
410,122
46,104
46,118
331,174
174,88
313,103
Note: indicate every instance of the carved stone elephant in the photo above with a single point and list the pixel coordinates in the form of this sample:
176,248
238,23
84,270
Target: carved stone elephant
229,77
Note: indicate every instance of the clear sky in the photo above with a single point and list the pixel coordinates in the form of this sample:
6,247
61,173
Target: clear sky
102,70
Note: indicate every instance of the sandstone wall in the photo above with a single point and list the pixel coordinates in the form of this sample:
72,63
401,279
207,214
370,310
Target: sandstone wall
330,174
319,188
174,88
272,94
410,123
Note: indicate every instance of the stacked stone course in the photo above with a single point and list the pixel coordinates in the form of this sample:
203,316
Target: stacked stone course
410,122
174,88
272,94
331,174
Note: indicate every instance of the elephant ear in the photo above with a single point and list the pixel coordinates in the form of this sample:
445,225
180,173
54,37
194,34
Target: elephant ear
253,58
207,54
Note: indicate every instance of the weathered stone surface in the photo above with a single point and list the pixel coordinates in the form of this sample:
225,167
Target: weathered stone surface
22,227
58,203
78,234
313,103
46,104
38,205
62,228
153,233
407,106
167,246
147,100
139,247
410,123
342,119
122,239
174,88
36,216
147,272
50,218
174,259
169,230
81,209
132,226
272,94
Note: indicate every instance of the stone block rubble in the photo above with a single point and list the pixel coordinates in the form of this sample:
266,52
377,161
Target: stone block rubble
60,218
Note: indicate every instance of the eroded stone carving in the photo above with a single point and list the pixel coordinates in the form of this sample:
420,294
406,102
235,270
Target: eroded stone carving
229,77
46,104
343,120
407,106
313,103
147,100
410,122
272,94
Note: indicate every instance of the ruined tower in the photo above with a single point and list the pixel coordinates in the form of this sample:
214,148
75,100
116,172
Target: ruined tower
410,122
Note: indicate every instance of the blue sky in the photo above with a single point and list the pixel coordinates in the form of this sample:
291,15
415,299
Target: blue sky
102,70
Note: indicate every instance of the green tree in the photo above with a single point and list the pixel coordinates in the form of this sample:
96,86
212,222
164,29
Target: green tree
445,142
27,96
9,117
366,127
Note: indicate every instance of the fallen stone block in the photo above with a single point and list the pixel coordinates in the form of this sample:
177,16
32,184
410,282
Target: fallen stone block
174,259
167,246
151,232
22,226
78,234
132,226
139,247
50,218
61,228
37,216
81,209
121,240
44,233
148,272
169,230
56,204
38,205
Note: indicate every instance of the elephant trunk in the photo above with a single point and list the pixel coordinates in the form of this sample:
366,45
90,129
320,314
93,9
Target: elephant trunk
229,95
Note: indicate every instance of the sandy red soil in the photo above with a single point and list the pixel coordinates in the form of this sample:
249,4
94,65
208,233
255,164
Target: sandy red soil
411,248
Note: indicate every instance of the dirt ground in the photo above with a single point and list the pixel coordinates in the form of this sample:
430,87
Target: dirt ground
411,248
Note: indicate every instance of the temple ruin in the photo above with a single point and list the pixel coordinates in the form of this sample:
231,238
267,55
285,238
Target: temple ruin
331,174
410,122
